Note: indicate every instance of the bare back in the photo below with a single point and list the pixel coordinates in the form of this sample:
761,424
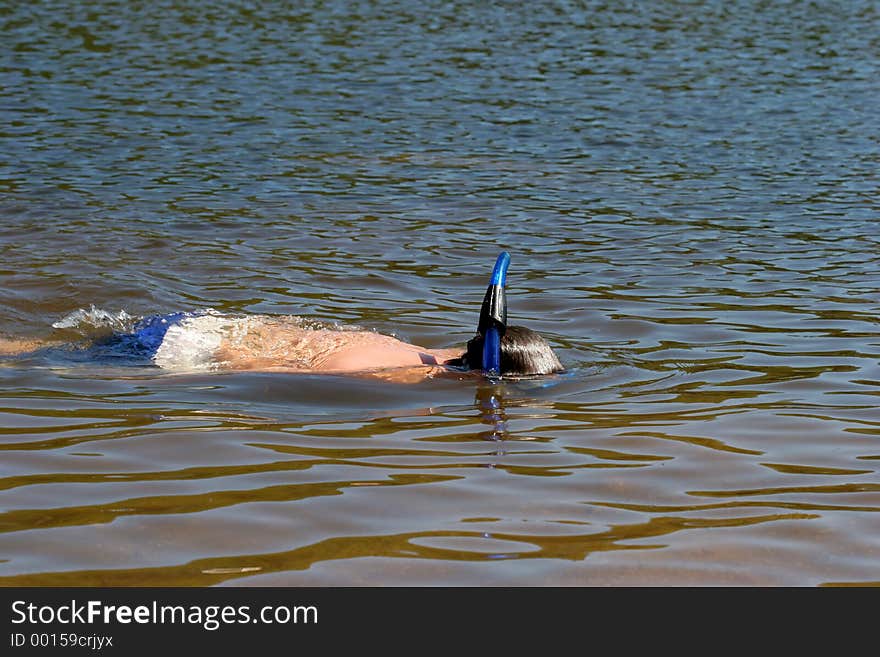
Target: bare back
280,343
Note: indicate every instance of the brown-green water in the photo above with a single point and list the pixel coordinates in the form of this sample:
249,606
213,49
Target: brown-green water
689,192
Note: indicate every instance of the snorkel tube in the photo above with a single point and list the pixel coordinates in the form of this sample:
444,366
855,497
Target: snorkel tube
493,317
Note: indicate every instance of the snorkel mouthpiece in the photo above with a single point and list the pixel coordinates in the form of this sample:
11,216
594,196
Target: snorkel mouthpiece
493,316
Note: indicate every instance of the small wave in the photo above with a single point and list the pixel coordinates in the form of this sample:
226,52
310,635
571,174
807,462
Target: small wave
94,319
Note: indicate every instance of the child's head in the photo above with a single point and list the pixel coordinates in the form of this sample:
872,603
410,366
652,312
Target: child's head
523,353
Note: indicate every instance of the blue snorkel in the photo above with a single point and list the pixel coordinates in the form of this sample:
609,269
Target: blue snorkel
493,317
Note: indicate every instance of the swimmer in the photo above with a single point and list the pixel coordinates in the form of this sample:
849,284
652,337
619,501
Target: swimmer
209,340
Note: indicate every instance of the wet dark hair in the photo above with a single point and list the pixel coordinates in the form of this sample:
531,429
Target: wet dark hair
523,353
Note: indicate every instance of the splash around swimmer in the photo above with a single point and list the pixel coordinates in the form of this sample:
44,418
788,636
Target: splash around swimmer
208,340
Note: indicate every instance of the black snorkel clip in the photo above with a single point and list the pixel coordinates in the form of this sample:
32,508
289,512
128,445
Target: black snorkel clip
493,317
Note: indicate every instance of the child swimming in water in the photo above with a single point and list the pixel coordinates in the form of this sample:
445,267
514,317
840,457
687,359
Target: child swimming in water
209,340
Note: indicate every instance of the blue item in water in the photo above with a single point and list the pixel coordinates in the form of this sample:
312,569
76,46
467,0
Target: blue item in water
493,316
142,343
150,331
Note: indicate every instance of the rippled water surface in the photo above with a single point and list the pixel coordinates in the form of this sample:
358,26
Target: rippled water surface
689,193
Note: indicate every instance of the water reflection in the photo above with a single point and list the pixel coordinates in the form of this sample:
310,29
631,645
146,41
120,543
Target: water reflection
698,240
489,401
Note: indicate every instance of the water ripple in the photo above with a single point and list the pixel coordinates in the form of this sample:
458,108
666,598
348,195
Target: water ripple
692,215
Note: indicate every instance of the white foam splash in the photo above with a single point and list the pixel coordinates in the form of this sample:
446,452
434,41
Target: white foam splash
192,344
87,321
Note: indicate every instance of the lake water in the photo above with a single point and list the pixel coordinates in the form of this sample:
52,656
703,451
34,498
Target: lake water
690,196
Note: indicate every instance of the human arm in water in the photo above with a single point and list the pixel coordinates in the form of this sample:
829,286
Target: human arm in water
16,346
